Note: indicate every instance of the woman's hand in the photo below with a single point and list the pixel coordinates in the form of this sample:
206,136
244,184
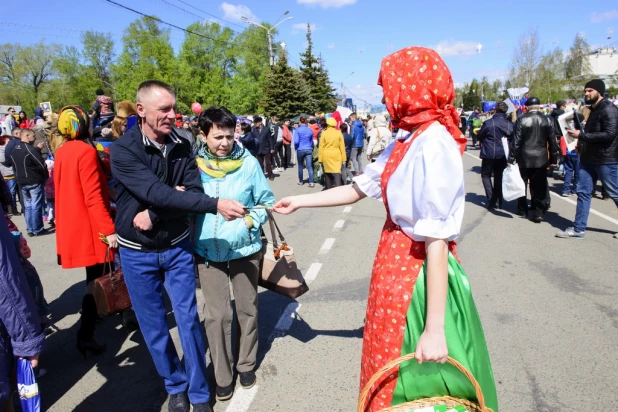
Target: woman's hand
431,347
286,206
112,241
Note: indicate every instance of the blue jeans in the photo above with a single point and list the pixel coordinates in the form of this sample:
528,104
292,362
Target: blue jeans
146,273
571,169
305,159
34,203
12,185
588,175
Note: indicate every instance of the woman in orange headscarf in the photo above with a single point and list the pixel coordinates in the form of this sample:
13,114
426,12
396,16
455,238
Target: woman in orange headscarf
419,297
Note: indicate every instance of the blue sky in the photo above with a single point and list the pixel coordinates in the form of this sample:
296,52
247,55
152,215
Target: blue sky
351,35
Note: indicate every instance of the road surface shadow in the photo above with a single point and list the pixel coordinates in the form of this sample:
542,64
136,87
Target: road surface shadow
481,201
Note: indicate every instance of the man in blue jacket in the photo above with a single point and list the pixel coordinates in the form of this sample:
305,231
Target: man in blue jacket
20,326
358,134
157,187
492,153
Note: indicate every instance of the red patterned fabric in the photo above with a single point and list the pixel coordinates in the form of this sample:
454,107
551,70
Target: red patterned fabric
398,263
419,89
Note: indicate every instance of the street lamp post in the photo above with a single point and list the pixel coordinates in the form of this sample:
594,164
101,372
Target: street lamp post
269,31
342,93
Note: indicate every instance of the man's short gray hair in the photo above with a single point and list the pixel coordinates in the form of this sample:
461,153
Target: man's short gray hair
149,85
534,107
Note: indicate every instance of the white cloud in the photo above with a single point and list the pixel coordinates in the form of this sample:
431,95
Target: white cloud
605,16
234,13
331,46
325,4
460,48
302,28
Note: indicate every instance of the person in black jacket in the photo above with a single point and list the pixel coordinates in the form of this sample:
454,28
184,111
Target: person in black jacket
266,146
31,174
534,149
492,153
157,186
598,155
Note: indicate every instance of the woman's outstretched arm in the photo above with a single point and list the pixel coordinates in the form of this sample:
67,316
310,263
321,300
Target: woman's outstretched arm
339,196
431,346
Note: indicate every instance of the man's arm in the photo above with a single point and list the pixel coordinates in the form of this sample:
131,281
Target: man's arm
516,142
133,174
609,127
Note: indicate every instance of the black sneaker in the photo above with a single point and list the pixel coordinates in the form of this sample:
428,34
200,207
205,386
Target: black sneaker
179,402
202,407
224,393
43,232
247,379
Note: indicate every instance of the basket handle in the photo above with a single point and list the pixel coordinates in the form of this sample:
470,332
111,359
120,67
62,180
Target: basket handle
395,362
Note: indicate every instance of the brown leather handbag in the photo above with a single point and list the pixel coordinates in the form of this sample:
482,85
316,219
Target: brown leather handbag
278,269
110,292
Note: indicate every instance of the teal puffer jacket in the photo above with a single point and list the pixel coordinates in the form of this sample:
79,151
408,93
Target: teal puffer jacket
218,240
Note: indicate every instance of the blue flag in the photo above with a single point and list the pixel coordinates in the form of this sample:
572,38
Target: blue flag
27,387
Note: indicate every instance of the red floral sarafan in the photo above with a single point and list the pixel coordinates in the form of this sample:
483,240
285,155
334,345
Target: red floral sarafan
418,90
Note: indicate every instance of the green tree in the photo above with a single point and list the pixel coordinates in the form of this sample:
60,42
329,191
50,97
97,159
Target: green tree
250,49
322,94
98,53
472,98
285,92
526,57
549,80
206,66
146,54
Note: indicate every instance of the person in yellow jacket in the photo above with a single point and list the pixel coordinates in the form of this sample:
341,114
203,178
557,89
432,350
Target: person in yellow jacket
331,153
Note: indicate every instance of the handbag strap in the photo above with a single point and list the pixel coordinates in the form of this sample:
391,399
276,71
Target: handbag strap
108,264
273,222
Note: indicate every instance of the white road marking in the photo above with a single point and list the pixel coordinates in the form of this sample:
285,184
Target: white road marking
347,209
339,224
242,400
327,246
573,202
312,273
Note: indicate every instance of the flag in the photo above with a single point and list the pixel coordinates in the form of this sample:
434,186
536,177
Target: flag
27,387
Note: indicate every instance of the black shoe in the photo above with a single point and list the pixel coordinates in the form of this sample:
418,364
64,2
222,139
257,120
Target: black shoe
179,402
491,206
247,379
129,320
30,234
224,393
537,219
85,346
202,407
272,178
43,232
522,213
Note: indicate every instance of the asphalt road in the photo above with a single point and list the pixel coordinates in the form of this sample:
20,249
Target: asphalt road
549,309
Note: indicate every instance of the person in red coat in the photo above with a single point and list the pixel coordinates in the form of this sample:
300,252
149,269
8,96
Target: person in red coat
83,214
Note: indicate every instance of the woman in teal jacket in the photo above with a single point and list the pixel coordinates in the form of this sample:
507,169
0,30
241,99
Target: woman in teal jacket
230,251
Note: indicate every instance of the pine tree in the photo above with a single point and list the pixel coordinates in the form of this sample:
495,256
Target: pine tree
322,94
285,93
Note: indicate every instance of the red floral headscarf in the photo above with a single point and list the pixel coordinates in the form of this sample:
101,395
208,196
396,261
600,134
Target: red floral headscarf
418,90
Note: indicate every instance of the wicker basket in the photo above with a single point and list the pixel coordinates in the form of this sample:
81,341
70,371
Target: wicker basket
450,401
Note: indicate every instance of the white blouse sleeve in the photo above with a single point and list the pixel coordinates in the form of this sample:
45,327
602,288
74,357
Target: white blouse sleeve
370,181
434,178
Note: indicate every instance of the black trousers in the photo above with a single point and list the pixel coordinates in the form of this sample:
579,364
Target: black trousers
493,191
332,180
287,155
264,160
278,155
536,180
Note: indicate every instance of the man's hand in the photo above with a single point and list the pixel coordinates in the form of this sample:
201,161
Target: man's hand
180,188
112,241
574,133
230,209
142,221
272,151
40,145
34,360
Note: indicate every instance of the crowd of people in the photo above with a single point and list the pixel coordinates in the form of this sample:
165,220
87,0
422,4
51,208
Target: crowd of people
178,203
535,142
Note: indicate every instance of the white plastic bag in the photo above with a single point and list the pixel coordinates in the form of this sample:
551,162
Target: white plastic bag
513,186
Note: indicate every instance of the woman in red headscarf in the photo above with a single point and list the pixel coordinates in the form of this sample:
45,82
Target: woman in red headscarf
419,297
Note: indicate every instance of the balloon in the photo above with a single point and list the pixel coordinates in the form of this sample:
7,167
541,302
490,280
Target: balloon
196,108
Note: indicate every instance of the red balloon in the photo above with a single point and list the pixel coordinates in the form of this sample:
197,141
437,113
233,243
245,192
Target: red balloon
196,108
